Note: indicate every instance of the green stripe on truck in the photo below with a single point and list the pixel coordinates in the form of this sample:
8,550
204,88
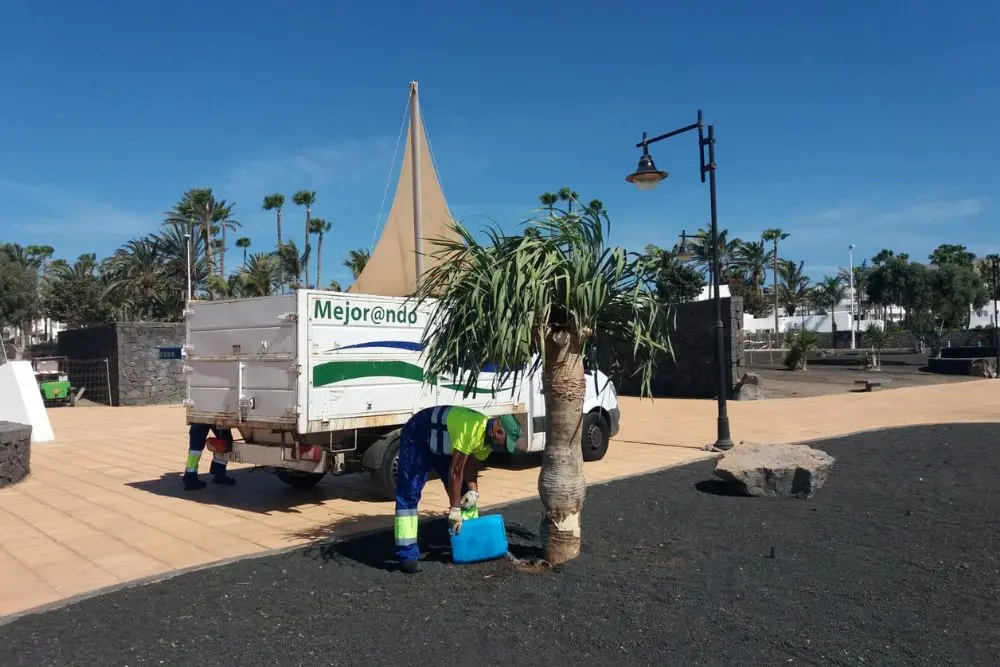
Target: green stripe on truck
332,372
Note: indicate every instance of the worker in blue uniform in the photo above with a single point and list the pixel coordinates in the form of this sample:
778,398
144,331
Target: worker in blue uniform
453,441
197,436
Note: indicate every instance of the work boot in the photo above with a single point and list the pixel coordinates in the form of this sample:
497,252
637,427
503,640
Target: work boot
219,476
409,567
192,483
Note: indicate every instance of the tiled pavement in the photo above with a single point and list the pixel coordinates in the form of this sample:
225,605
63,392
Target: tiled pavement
103,505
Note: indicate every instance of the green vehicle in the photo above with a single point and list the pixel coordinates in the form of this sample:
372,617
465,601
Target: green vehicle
53,383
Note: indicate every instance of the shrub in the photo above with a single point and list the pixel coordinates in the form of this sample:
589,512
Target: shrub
877,339
800,344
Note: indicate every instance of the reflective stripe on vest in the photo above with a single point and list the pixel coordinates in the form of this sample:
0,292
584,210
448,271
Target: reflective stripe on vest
440,439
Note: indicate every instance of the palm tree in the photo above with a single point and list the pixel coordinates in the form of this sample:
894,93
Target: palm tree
175,257
243,243
135,278
356,261
557,288
305,198
291,264
793,292
828,293
145,279
225,223
199,208
334,286
775,234
701,248
319,227
274,203
259,275
567,195
548,200
32,257
751,259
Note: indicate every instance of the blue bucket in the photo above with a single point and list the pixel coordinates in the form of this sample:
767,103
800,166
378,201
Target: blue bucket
481,539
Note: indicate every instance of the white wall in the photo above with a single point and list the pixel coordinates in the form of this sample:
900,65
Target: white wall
818,323
983,317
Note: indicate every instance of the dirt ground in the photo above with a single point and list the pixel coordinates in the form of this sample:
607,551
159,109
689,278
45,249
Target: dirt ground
893,562
838,371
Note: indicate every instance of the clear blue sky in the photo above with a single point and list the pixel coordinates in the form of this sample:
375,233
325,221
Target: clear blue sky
872,123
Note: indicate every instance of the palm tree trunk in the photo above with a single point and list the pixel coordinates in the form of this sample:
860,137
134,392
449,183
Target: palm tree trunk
305,265
776,287
561,484
206,230
222,252
244,258
281,265
319,260
833,325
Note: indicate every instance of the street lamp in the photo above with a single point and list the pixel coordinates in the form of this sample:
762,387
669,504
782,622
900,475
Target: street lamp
994,261
647,177
187,254
850,250
682,251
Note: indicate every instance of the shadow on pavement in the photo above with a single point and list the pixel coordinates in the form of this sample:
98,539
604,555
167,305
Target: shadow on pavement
717,487
259,491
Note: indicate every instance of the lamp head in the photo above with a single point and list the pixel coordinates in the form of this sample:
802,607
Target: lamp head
683,251
646,176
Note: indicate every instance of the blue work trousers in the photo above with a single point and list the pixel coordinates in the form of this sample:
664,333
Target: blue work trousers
416,461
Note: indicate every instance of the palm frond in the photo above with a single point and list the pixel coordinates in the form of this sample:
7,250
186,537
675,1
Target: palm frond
493,304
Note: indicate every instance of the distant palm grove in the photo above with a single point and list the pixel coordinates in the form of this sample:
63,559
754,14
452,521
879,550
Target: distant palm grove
146,279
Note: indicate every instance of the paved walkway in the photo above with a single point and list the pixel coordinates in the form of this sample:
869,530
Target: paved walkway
103,505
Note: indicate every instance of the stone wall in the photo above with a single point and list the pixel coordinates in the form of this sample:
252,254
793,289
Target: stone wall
15,452
143,377
907,341
138,376
691,373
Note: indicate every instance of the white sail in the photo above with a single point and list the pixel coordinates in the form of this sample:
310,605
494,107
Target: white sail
419,203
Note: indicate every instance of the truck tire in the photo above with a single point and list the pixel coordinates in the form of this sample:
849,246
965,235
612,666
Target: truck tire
299,480
385,474
594,438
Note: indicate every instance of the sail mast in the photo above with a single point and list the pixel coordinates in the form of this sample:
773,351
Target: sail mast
417,203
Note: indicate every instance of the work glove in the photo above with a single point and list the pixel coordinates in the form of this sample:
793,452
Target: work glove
455,520
470,500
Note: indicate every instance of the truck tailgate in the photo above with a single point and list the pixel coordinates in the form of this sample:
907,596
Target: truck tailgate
243,349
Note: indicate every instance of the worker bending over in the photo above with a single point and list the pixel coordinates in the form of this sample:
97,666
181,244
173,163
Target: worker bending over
197,435
451,440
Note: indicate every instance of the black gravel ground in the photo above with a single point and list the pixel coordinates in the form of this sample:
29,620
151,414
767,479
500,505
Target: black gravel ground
895,561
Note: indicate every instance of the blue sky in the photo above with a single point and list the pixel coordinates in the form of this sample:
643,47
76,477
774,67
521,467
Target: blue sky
871,123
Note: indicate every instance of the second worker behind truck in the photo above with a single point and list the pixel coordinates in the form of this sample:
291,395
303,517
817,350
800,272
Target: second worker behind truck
451,440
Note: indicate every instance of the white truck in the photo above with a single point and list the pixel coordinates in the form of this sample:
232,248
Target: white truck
317,381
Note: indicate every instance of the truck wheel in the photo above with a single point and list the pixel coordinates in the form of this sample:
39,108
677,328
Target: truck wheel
299,480
385,474
595,437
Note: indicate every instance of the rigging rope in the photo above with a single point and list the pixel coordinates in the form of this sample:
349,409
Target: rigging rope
392,166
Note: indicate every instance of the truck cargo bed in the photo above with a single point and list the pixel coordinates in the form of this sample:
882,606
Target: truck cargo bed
316,362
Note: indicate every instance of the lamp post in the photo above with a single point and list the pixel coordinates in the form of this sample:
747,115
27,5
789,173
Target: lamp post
994,261
647,177
187,254
850,250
